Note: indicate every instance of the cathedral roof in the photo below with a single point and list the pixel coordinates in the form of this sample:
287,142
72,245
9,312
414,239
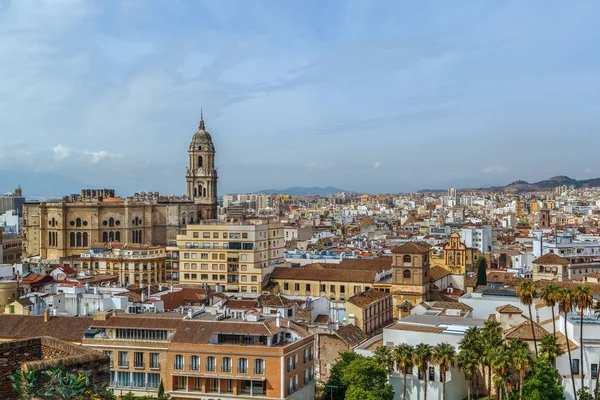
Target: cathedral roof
202,138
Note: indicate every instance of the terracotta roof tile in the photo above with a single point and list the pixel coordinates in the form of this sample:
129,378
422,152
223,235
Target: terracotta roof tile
363,299
312,274
509,309
416,328
436,272
24,326
412,248
352,335
273,300
523,331
552,259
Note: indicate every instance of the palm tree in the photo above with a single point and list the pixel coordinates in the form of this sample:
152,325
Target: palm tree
526,292
521,360
549,346
583,301
468,364
421,358
383,356
472,342
548,295
491,335
596,388
501,363
565,301
403,355
444,355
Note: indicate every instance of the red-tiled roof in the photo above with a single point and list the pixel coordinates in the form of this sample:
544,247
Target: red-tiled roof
551,259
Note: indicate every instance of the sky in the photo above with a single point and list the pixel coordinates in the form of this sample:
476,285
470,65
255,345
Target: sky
368,96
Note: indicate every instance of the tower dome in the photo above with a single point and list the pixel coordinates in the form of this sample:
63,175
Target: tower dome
202,140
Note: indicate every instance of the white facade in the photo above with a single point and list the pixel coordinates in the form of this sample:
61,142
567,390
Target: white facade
485,304
479,238
10,222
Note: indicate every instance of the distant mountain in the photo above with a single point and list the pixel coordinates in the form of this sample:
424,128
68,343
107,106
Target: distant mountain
545,185
306,191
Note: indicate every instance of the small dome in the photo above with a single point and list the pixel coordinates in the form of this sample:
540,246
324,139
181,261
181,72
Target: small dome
202,139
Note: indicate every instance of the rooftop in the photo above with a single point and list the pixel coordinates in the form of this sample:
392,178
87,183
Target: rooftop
364,299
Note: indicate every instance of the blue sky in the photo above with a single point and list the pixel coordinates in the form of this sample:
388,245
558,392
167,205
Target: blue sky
364,95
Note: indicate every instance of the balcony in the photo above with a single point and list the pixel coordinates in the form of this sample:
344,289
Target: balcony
133,385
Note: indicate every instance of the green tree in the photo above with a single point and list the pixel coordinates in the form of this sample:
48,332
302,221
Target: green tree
541,383
421,358
58,384
403,356
444,355
521,360
472,342
337,372
549,346
161,392
548,294
583,300
491,336
384,358
481,264
565,301
468,364
501,364
366,375
526,293
584,394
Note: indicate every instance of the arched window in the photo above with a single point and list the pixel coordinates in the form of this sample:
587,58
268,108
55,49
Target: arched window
199,215
406,274
105,237
195,192
85,239
199,190
78,239
183,215
118,236
199,161
72,239
140,237
50,239
192,219
111,237
111,221
204,192
406,259
78,222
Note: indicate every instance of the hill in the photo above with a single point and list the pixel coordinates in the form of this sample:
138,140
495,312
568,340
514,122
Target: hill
306,191
541,186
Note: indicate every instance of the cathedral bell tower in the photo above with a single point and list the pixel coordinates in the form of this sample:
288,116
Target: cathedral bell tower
201,177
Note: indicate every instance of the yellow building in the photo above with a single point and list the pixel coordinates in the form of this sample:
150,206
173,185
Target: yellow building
236,256
410,274
55,230
456,258
134,263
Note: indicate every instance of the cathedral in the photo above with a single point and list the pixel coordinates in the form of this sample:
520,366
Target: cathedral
55,230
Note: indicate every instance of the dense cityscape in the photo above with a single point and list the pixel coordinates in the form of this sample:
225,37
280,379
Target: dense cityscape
299,200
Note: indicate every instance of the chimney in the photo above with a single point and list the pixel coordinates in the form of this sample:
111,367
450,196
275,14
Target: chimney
171,288
46,315
278,320
143,297
95,289
288,323
189,314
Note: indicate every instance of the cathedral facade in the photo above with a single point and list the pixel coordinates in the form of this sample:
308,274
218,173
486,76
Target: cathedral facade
58,229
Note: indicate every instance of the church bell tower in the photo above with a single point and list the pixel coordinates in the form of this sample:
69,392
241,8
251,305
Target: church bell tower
201,177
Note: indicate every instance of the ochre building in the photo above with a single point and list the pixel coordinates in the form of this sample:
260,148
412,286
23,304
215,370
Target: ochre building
55,230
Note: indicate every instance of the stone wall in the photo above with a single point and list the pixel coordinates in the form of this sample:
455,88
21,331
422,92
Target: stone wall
12,355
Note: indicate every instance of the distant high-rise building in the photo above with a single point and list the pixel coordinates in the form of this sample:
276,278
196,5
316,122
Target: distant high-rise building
12,201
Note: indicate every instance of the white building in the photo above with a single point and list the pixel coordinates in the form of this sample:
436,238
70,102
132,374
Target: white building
10,222
479,238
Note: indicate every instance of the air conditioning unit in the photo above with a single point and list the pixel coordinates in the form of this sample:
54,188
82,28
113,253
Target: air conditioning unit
453,313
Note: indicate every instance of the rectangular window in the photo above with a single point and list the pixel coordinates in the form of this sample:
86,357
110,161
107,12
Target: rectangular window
154,380
215,235
432,374
206,235
154,363
186,276
594,370
285,286
259,366
139,360
138,379
575,366
108,354
211,364
195,235
308,287
204,256
226,364
123,379
243,365
297,287
123,362
194,363
178,362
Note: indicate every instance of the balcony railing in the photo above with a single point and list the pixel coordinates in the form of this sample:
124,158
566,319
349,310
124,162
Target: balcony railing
136,385
123,364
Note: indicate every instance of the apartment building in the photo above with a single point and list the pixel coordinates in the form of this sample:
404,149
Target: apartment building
371,311
195,358
234,255
133,263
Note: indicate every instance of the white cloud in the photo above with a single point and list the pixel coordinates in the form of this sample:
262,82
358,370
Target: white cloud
376,165
94,156
494,169
61,152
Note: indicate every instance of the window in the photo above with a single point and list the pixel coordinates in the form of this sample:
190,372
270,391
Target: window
138,379
594,370
297,287
108,354
85,239
308,287
194,363
406,259
211,364
123,378
123,359
243,257
243,365
154,361
575,366
178,361
259,366
285,286
154,380
226,364
432,374
406,274
138,360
